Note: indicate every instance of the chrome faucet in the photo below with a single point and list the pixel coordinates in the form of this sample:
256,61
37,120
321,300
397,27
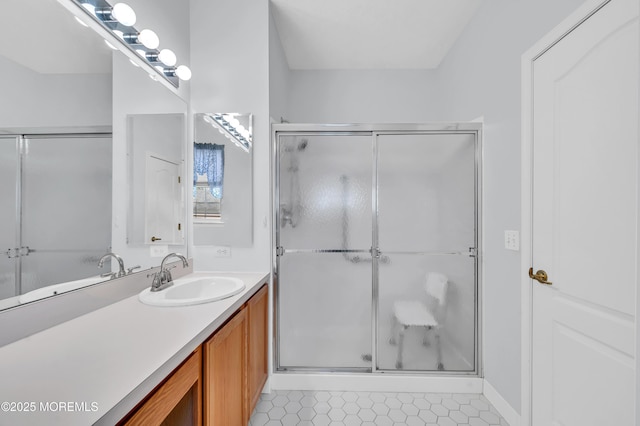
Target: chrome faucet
162,279
120,273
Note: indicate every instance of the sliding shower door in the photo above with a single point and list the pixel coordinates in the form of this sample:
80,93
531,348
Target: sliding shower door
66,207
426,220
324,241
376,240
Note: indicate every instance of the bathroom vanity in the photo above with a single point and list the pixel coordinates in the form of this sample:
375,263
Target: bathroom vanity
130,363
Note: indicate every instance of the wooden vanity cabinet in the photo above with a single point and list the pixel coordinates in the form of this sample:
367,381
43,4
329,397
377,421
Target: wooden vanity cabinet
221,381
257,336
225,374
235,364
177,401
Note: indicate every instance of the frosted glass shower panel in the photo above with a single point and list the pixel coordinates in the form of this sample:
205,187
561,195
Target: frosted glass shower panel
426,313
66,215
8,175
426,192
324,303
325,191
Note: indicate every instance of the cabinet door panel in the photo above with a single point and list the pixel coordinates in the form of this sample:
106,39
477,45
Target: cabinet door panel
225,360
258,308
177,401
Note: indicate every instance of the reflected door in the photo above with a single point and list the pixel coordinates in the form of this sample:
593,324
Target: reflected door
66,218
9,157
426,232
324,239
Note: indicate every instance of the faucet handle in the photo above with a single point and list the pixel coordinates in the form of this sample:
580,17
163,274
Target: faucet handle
111,275
130,270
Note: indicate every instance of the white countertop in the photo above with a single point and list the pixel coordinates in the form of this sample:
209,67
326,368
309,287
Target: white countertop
101,364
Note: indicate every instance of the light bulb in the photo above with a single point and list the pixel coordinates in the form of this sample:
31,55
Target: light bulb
141,53
149,39
183,72
119,34
111,46
167,57
91,8
124,14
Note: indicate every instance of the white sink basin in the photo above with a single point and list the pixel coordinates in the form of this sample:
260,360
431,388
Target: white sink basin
193,290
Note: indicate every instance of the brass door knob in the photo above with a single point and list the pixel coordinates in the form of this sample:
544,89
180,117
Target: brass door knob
540,276
154,239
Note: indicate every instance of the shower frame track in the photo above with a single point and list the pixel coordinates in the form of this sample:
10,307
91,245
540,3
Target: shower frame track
375,130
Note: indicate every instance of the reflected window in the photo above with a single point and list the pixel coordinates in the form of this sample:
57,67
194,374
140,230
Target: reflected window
208,180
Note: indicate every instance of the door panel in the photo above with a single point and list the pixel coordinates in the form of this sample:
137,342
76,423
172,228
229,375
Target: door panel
426,218
66,217
585,154
324,270
8,236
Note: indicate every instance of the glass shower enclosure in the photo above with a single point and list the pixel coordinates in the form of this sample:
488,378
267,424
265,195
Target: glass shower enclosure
376,248
56,209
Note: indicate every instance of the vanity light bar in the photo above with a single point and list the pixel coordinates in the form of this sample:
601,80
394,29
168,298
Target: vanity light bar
119,20
229,127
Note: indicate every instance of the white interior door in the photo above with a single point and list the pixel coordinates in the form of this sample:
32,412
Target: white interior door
163,196
585,164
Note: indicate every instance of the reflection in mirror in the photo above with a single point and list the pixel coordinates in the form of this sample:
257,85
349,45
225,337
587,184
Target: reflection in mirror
222,179
55,152
156,202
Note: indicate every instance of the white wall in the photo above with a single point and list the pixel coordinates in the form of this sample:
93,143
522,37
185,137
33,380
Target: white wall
230,51
362,96
30,99
279,75
481,77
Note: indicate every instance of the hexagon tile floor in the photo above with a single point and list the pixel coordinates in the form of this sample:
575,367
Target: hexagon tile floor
284,408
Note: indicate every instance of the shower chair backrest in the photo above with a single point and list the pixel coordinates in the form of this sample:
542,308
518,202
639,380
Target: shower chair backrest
436,287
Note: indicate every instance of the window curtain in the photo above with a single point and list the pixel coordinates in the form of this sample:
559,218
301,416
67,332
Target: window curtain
208,160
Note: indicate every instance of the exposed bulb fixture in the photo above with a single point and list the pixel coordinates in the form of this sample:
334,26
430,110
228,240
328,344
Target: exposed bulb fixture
124,14
167,57
90,8
119,33
183,72
149,39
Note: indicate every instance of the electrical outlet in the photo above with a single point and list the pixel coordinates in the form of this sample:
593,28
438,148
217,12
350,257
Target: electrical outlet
222,251
158,250
512,240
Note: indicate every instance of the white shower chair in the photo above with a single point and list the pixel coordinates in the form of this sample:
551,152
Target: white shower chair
429,315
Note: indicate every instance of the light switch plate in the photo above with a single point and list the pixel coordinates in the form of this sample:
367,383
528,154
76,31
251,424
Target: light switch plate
512,240
222,251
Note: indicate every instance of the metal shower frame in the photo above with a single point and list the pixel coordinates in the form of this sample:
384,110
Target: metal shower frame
375,130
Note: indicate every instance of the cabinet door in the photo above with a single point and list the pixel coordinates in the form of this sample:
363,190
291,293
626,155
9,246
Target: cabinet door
258,311
225,361
177,401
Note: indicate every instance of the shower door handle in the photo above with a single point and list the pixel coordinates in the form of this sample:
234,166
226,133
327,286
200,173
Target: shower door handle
375,252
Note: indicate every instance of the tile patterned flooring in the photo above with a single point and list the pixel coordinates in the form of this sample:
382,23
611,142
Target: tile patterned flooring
284,408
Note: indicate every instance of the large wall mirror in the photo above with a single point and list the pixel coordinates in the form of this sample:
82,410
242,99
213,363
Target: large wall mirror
222,179
63,156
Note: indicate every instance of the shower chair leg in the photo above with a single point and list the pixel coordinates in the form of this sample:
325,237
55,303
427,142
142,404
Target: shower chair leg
401,333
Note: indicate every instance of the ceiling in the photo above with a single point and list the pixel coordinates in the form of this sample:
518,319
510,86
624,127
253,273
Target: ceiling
370,34
44,36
